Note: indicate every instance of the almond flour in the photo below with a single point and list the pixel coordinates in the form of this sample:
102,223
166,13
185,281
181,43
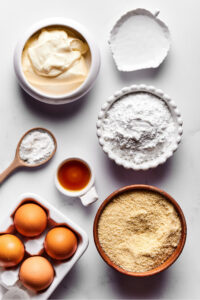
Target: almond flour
139,230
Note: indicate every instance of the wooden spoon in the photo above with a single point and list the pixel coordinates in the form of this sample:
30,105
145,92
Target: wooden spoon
18,162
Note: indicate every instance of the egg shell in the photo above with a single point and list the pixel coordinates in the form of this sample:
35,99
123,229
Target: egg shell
36,273
11,250
30,219
60,243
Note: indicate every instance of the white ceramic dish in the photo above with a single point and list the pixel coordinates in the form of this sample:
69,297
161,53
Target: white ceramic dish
9,279
88,195
139,40
80,91
176,117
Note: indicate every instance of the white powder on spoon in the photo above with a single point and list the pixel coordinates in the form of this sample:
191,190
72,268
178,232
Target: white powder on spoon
36,147
139,127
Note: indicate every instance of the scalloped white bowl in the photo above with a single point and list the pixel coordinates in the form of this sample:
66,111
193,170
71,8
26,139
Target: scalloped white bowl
175,114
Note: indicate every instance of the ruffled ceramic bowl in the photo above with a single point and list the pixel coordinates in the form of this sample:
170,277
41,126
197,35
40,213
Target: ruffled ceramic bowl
128,164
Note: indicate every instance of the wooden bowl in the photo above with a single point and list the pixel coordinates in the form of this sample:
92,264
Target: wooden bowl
174,255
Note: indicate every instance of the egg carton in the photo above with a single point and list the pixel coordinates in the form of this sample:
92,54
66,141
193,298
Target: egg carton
10,285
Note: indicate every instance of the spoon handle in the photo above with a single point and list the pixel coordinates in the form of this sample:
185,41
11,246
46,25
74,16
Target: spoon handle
13,166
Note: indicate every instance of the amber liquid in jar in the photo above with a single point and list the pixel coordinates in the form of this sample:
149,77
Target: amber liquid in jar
74,175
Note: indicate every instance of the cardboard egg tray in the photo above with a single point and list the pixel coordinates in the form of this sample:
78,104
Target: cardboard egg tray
9,277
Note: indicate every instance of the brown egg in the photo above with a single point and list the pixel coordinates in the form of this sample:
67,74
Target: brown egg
30,219
36,273
60,243
11,250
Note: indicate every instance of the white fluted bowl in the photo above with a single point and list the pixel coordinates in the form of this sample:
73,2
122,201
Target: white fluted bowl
176,118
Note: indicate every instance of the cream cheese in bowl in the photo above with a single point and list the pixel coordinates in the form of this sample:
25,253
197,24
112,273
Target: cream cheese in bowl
139,127
57,61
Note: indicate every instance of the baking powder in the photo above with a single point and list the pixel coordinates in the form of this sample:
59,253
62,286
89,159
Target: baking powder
36,147
139,127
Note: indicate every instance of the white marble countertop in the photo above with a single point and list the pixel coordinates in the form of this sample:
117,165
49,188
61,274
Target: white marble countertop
74,128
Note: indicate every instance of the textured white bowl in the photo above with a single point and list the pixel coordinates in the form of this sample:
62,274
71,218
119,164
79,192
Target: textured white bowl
176,117
142,45
65,98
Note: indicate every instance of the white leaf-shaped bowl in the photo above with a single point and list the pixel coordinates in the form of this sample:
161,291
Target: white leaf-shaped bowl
139,40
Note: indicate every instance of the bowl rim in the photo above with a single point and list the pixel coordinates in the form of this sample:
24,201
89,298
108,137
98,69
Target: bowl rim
152,91
174,256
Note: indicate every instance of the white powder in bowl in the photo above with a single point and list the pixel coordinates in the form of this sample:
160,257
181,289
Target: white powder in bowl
139,127
36,146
